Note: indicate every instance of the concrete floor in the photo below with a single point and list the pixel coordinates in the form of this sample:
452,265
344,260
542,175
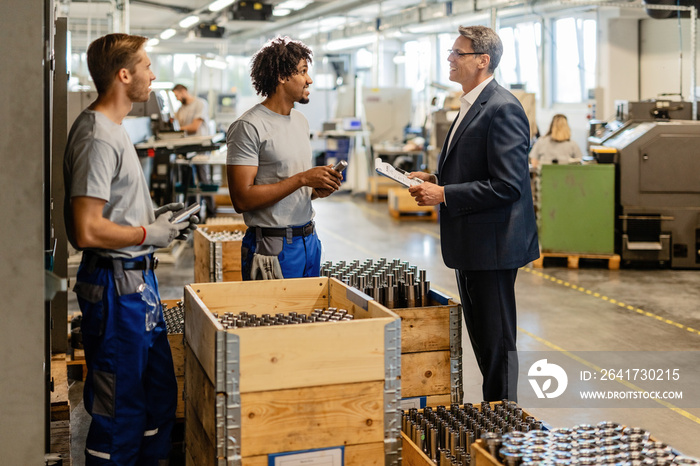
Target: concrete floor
575,312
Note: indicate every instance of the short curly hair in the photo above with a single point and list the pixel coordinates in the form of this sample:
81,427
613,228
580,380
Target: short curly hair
278,59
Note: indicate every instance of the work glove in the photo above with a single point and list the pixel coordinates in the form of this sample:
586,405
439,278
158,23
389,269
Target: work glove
161,232
172,207
190,226
265,268
176,207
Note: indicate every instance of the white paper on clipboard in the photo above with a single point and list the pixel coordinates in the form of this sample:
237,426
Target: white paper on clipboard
396,174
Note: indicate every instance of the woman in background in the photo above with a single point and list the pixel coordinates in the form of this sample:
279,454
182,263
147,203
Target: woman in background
556,146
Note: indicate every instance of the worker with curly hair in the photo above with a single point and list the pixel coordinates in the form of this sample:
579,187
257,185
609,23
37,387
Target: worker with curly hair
269,168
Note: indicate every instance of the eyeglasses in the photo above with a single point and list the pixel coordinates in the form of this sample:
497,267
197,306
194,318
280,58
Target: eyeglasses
461,54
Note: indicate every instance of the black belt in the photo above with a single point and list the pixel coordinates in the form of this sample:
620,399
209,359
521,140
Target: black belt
144,264
306,230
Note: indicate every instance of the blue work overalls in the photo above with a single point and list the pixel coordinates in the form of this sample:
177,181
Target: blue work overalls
300,254
130,390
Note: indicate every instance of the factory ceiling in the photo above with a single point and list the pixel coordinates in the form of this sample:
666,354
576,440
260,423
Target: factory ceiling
241,24
231,27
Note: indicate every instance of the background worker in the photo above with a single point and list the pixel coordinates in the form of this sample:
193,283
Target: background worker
270,176
487,221
130,389
556,146
193,117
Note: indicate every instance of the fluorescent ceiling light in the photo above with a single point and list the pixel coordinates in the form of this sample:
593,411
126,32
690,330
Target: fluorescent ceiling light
152,42
220,5
168,33
293,4
218,64
281,12
330,23
350,42
189,21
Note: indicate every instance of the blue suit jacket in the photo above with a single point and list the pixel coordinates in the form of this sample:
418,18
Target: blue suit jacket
488,222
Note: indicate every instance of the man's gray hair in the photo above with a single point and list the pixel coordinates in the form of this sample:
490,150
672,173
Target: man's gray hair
484,40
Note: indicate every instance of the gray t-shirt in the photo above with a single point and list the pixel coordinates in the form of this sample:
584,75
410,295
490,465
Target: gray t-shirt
279,146
197,109
546,151
101,162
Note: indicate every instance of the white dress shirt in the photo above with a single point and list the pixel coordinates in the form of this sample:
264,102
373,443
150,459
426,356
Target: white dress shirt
465,103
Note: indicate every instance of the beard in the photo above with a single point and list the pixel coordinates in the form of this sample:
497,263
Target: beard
304,100
138,90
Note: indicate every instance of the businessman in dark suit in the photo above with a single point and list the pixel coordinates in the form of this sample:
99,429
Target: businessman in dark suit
487,220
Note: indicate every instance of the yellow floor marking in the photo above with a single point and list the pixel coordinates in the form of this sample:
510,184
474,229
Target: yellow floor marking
591,365
610,300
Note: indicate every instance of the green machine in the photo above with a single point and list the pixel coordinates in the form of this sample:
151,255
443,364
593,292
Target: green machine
576,208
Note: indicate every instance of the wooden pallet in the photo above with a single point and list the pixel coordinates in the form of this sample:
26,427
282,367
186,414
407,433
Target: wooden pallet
371,197
402,206
379,188
572,259
412,215
77,359
60,409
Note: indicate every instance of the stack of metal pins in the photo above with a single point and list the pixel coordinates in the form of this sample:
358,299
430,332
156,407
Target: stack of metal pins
243,319
174,317
222,235
606,443
394,284
446,435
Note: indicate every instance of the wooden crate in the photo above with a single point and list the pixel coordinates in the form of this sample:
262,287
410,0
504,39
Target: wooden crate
217,261
253,392
379,188
480,456
402,206
177,348
431,353
60,432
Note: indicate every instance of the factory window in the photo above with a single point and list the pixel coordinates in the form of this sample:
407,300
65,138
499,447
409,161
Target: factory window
416,54
574,56
162,66
442,71
237,76
184,68
520,61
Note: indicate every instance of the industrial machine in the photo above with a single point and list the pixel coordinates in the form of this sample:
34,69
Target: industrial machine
658,190
627,112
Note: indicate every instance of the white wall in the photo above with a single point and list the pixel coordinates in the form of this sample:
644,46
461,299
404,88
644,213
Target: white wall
660,52
618,61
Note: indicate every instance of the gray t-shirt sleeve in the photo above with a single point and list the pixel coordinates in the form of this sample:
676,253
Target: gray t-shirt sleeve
243,144
201,110
94,166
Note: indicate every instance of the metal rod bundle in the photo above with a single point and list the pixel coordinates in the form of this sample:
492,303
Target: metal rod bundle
446,434
221,236
394,284
174,317
243,319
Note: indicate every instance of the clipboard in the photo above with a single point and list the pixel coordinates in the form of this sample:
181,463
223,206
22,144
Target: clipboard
396,174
